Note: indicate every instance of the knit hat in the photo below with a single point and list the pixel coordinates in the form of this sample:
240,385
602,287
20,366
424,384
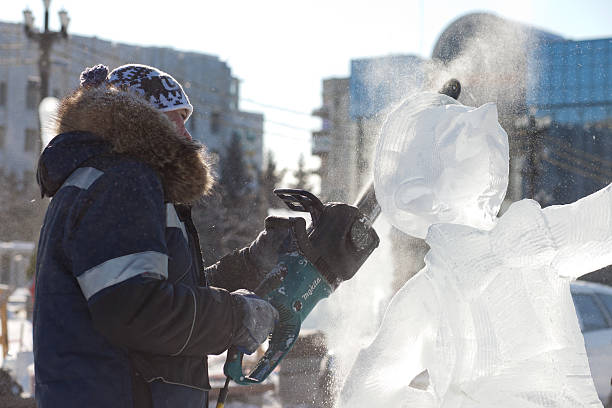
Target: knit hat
158,87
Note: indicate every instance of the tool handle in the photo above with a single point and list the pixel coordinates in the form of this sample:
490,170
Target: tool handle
223,394
233,364
282,339
301,200
293,298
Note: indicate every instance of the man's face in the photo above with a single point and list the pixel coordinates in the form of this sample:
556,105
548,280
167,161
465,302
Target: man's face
178,118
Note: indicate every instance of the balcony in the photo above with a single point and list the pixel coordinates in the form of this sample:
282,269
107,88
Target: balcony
322,112
321,142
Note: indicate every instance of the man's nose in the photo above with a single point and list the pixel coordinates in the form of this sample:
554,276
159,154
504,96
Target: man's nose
182,130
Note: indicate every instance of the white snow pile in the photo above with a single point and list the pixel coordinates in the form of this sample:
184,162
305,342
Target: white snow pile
490,317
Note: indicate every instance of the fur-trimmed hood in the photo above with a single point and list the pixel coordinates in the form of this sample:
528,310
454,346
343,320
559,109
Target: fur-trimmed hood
127,125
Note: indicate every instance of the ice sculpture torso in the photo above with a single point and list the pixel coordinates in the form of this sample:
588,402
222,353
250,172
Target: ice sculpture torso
491,317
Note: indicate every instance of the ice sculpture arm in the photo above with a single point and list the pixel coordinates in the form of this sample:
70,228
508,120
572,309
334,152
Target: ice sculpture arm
382,372
582,233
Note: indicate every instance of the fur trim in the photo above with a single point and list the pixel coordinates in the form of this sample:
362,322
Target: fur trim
135,128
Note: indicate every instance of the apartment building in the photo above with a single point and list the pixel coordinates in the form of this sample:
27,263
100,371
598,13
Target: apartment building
208,81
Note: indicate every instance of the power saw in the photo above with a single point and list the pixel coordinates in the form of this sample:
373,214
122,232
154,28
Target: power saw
303,276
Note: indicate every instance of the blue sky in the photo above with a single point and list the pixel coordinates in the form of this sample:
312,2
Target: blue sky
281,49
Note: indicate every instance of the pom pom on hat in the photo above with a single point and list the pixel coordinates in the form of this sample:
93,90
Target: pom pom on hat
158,87
94,76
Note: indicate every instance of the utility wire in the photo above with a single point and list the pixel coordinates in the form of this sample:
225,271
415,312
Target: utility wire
578,161
265,105
266,120
203,87
583,173
576,151
588,166
288,125
286,136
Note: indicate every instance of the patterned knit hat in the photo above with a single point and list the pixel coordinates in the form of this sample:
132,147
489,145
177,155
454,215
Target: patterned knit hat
159,88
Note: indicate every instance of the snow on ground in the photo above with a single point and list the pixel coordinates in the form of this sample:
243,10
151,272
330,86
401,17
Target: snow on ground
20,339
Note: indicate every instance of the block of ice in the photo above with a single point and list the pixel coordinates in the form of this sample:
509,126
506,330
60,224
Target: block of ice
439,161
490,317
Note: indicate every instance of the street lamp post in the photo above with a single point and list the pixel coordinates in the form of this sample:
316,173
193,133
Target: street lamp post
45,40
533,132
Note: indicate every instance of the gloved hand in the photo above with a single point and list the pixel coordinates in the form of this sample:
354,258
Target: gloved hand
248,267
258,321
264,251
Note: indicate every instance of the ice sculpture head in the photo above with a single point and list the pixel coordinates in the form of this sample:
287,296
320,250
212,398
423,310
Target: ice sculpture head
438,161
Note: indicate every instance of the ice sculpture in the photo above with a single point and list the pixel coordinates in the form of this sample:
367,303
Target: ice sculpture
490,317
450,164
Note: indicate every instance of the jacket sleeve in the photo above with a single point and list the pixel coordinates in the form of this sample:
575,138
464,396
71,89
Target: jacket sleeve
232,272
116,243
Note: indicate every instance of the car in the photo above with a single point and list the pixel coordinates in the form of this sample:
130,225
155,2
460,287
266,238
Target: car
593,302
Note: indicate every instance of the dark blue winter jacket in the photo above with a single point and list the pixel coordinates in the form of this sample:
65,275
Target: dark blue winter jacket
121,297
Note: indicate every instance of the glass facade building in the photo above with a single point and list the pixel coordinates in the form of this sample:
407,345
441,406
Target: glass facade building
377,83
570,83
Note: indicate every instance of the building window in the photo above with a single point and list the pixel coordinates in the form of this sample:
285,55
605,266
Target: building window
5,268
3,93
326,124
215,122
2,136
234,87
32,92
31,140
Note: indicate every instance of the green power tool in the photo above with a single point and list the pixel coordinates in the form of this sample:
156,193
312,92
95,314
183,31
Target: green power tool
303,276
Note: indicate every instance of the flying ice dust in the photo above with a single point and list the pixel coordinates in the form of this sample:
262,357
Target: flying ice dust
490,317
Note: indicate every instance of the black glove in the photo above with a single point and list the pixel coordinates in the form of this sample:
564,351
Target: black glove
264,251
259,319
245,269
